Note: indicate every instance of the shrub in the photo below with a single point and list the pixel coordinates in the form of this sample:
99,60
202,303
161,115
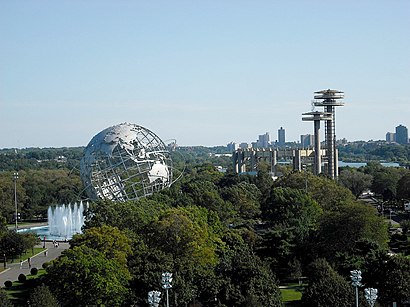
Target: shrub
45,265
22,278
8,284
34,271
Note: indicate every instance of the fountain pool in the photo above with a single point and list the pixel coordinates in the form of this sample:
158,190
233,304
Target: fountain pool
63,222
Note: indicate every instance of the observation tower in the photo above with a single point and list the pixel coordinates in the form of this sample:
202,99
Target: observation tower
316,117
330,99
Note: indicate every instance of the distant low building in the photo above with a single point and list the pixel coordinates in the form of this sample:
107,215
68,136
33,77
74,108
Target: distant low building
232,146
244,145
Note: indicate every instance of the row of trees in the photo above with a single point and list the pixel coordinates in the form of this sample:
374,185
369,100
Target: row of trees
375,151
37,190
391,183
12,243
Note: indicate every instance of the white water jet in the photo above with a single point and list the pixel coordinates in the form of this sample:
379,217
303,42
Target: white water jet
66,220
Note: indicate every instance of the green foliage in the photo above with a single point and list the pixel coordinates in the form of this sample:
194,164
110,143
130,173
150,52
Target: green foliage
123,215
385,181
4,301
391,276
184,233
12,243
41,296
326,287
291,217
45,265
205,193
83,276
245,280
325,191
340,229
33,271
357,182
403,187
22,278
106,239
374,151
38,189
245,198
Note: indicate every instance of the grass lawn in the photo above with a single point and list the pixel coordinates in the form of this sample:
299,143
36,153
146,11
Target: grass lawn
19,292
27,254
291,294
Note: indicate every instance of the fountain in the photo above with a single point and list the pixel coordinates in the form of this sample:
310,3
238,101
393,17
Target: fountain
66,220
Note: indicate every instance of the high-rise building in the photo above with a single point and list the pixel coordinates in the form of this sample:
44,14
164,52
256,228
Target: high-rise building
307,140
390,137
402,134
281,137
264,140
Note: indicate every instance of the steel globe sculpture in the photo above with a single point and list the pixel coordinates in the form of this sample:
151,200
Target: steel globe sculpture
125,162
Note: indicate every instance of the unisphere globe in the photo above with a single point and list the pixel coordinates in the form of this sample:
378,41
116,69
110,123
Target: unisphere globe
125,162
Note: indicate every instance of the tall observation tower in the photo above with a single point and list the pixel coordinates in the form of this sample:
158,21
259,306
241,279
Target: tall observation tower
316,117
329,99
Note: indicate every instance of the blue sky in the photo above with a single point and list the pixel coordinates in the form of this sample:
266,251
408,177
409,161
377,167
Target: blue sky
201,72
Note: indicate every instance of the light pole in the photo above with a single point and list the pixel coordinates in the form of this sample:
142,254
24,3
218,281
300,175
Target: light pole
356,276
15,177
371,296
154,297
166,283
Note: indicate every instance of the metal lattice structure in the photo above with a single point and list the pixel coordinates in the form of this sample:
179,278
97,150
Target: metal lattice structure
125,162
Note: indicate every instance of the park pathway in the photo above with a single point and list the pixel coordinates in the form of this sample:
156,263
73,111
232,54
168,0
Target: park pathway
14,270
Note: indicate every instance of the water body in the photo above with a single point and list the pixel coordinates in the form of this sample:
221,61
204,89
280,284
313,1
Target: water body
360,164
41,232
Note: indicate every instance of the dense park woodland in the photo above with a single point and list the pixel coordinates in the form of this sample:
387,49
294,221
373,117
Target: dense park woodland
229,240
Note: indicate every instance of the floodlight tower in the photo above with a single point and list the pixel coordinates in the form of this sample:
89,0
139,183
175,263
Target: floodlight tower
329,99
316,117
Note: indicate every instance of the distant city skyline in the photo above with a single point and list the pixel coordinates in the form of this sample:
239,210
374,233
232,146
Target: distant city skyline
203,73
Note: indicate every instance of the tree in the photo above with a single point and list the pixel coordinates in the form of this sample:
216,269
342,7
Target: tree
290,217
339,230
244,279
108,240
355,181
12,243
325,191
205,193
326,287
245,199
403,187
292,208
185,234
124,215
41,296
83,276
391,276
385,182
184,241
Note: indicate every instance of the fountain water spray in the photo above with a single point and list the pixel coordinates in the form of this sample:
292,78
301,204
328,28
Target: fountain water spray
66,220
